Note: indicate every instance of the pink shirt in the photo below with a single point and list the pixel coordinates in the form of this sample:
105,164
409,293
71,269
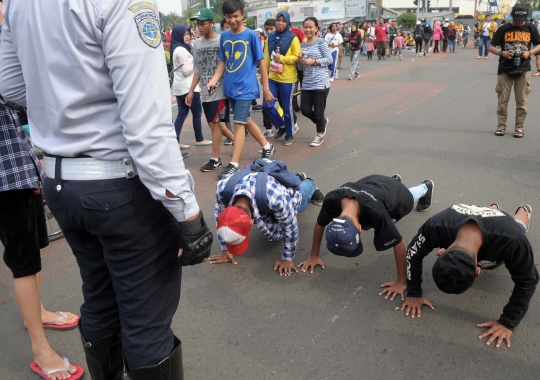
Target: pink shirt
370,46
437,33
398,42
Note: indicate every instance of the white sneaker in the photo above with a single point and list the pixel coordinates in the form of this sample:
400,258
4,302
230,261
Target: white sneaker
331,79
295,128
318,141
268,133
336,75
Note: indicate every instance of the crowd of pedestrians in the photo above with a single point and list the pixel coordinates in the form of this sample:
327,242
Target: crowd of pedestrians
128,208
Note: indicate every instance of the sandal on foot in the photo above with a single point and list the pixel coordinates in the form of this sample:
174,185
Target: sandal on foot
528,210
519,134
55,326
499,132
79,374
536,74
496,205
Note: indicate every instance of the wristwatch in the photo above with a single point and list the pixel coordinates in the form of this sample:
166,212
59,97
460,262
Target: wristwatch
500,53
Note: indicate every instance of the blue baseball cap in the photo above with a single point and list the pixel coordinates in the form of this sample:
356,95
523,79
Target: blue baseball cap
343,238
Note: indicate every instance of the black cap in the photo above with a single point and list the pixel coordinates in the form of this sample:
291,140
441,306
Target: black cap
520,12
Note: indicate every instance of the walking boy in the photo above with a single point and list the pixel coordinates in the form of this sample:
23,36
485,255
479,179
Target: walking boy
375,202
240,52
274,212
205,63
473,238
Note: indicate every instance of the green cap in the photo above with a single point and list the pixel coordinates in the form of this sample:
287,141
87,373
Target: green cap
203,14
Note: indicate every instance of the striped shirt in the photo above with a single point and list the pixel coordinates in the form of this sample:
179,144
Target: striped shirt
316,77
282,201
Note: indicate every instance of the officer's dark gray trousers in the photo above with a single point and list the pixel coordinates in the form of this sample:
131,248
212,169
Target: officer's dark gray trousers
126,245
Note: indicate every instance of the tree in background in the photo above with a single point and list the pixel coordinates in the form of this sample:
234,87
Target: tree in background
406,20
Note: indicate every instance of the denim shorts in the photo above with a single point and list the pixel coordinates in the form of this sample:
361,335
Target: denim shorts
240,110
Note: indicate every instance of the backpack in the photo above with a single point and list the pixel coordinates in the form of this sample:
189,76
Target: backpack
451,32
264,168
418,34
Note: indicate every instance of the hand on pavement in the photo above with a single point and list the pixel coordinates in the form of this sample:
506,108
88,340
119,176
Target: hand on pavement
285,267
414,306
497,331
311,262
223,258
392,289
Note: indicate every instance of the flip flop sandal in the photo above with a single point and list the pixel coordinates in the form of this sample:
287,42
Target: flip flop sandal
79,374
536,74
519,134
528,210
496,205
499,132
55,326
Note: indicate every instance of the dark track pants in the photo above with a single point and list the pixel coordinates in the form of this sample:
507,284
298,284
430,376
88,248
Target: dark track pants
126,245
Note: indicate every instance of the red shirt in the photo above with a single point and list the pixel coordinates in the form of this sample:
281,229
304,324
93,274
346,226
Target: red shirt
299,33
380,33
168,36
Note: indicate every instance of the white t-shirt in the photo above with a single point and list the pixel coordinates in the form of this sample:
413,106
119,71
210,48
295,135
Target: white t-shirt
485,31
333,39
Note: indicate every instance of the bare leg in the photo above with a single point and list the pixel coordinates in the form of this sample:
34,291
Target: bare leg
239,140
28,298
225,131
216,139
49,316
256,132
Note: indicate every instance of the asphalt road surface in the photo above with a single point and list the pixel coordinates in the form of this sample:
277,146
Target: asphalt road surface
425,118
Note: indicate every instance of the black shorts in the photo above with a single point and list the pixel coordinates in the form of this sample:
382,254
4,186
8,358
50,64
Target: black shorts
216,111
23,231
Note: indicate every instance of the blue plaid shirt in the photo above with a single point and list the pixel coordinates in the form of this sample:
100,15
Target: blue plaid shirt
19,166
282,201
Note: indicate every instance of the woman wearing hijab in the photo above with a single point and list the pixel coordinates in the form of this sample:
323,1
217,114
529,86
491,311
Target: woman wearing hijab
183,75
451,33
281,54
437,35
418,37
355,43
428,34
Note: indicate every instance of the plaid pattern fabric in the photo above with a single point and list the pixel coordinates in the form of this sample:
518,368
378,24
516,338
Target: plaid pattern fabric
19,166
283,202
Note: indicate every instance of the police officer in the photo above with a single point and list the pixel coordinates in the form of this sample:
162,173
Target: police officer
96,87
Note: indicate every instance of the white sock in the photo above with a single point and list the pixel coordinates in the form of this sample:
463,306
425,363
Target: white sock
267,146
215,159
235,164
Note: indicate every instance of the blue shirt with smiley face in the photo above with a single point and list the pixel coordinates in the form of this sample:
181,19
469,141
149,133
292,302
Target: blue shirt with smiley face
241,53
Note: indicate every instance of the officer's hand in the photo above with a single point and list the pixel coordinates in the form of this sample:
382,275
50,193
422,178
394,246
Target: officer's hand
268,97
392,289
414,306
497,331
311,262
189,99
223,258
285,267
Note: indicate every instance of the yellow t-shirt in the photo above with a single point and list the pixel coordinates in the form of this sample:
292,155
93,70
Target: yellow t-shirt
288,60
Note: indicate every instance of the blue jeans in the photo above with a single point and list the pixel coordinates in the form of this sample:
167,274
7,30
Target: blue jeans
418,191
183,110
307,188
451,45
355,55
332,66
484,41
284,93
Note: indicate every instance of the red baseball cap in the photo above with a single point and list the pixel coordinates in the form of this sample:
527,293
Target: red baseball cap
233,227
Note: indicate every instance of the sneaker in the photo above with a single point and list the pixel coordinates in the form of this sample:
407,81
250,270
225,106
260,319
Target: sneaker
211,165
256,108
479,57
228,141
486,57
302,176
331,79
288,140
280,132
336,75
357,76
349,78
267,153
397,177
317,198
228,171
268,133
203,143
295,128
318,141
325,127
424,202
183,146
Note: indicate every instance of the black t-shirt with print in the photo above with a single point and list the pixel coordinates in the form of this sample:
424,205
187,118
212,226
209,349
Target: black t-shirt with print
511,37
503,242
382,200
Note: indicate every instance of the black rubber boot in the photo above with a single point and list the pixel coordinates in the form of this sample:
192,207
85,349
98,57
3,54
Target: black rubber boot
104,357
170,368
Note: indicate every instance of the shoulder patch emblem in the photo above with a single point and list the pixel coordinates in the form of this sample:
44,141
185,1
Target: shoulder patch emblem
148,26
142,5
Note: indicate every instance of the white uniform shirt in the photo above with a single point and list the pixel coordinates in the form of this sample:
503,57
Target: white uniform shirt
93,75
